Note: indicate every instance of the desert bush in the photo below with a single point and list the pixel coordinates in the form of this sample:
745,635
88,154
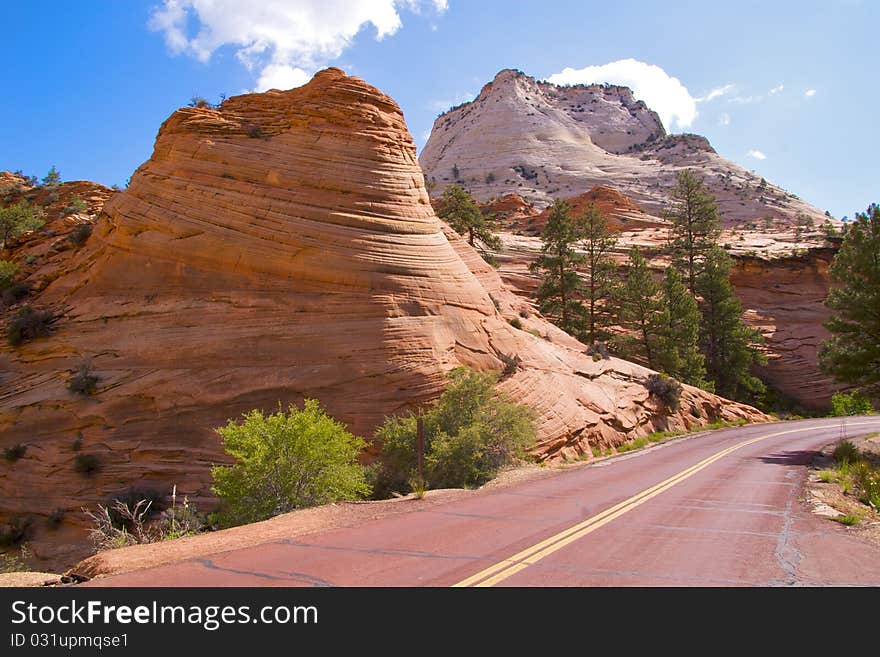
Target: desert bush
511,364
14,293
55,518
850,403
80,234
75,206
470,433
181,520
666,389
15,531
253,131
106,532
12,454
515,323
286,461
86,464
8,270
84,381
846,452
866,482
199,101
149,500
29,324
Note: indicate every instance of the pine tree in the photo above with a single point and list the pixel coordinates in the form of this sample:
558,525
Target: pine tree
638,307
561,292
852,355
678,352
695,225
726,342
458,208
53,178
599,269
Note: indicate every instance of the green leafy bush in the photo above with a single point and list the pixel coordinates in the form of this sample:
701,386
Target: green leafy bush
850,403
286,461
470,433
8,270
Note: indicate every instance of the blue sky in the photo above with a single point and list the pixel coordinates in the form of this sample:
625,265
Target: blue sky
87,89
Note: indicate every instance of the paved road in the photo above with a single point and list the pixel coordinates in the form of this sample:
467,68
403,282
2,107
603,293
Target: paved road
722,509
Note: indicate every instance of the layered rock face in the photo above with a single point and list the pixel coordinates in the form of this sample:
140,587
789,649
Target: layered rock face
282,246
544,142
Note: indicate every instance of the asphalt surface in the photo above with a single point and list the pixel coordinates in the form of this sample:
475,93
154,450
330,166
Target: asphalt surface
719,509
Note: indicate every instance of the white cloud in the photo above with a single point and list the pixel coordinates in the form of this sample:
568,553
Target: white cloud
282,76
810,93
286,40
746,100
724,119
716,93
776,90
758,155
664,94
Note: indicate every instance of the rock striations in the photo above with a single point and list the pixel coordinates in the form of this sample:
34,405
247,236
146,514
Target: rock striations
278,247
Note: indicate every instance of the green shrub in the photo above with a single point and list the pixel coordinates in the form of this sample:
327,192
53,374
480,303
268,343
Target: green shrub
12,454
846,452
866,482
850,403
8,270
286,461
666,389
515,323
86,464
848,520
470,433
29,324
75,206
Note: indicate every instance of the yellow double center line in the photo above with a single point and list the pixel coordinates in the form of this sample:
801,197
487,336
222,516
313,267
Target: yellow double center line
522,560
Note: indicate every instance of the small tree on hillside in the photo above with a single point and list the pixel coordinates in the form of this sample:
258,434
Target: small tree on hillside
560,295
18,219
638,307
695,225
286,461
459,209
727,343
678,352
599,268
852,355
52,178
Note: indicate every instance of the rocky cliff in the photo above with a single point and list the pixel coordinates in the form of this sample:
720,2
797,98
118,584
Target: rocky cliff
278,247
543,141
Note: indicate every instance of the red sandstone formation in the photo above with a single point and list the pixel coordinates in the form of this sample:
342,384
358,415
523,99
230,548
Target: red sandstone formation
282,246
